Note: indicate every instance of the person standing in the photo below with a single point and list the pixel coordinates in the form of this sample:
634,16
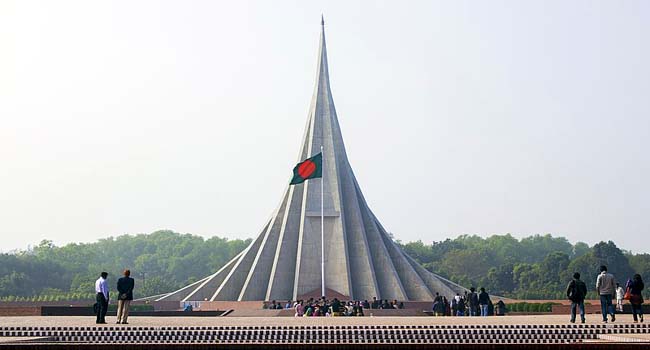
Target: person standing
500,308
437,297
438,307
636,299
484,301
300,310
336,307
620,294
125,287
102,297
461,307
473,301
606,287
454,306
576,291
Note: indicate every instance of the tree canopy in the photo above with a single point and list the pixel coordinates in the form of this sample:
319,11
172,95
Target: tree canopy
160,262
535,267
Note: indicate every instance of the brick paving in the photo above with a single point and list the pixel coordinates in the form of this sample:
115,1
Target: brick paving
523,332
84,321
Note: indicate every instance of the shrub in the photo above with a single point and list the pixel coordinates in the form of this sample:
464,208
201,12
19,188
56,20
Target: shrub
530,307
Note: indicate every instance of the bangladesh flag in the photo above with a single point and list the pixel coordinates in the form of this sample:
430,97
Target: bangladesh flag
310,168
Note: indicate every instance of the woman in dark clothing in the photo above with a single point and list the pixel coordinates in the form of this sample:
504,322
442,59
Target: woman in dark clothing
635,297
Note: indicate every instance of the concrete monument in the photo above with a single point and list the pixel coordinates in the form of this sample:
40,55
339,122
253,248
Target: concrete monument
284,262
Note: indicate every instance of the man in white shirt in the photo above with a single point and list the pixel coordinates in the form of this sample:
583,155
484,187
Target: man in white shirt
620,294
102,297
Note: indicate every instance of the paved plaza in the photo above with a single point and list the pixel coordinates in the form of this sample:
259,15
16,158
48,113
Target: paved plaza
517,332
84,321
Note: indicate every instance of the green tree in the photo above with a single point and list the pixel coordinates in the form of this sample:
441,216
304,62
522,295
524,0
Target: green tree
500,280
71,270
532,267
580,249
607,253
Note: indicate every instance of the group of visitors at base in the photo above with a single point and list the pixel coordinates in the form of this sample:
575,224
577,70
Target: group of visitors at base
335,307
607,289
125,287
468,304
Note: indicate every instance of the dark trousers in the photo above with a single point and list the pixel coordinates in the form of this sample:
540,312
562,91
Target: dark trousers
578,305
473,310
637,309
103,307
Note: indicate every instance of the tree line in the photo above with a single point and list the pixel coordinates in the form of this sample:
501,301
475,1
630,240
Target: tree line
160,262
535,267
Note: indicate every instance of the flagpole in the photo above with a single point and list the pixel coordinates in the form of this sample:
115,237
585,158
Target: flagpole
322,228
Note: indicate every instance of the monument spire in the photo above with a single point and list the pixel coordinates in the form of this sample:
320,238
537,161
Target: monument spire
324,225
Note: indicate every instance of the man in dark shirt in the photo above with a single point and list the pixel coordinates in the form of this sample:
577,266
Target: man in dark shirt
483,301
576,291
125,287
336,306
472,299
438,297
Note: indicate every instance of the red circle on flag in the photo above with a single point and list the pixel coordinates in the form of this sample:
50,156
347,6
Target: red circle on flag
306,169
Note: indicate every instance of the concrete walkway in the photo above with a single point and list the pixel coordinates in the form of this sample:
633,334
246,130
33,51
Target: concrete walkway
79,321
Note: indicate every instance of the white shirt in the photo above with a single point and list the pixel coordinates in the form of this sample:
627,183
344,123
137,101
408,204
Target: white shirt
620,293
101,287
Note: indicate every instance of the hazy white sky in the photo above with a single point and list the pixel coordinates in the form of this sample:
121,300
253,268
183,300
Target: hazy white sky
475,117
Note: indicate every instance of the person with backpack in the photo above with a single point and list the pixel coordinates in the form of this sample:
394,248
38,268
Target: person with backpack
576,292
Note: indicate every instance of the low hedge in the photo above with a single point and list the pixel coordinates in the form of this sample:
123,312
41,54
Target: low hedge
132,307
530,307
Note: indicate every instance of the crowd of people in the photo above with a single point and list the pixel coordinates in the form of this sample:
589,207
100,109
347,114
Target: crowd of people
470,303
608,290
335,307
